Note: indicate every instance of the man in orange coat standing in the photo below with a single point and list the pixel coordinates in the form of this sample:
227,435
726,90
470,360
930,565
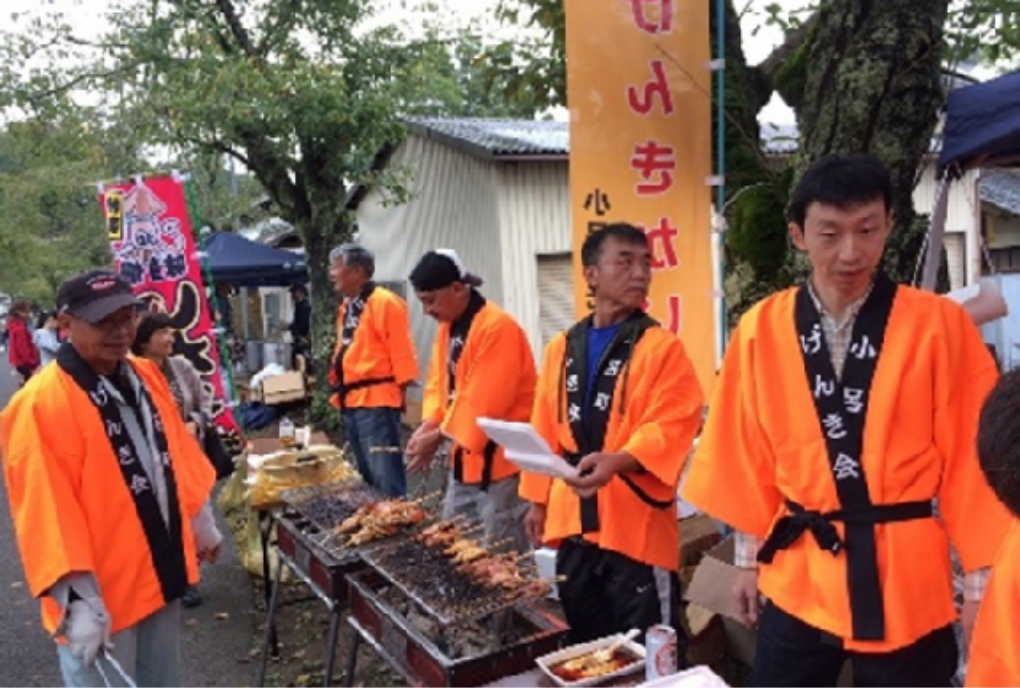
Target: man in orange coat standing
481,366
373,364
844,408
109,492
619,398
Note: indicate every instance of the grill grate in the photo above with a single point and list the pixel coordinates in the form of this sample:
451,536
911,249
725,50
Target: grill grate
434,582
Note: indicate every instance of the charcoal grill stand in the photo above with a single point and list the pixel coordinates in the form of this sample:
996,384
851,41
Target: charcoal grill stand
335,608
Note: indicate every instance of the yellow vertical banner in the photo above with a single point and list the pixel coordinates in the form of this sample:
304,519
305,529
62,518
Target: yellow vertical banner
638,90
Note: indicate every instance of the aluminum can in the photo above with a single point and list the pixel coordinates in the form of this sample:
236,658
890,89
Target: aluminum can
660,652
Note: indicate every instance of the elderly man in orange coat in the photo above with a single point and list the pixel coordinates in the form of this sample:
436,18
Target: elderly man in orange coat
109,492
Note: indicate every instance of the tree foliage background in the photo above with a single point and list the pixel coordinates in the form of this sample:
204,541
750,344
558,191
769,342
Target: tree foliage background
302,94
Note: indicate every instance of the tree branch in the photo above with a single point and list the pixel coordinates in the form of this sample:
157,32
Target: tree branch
764,74
240,34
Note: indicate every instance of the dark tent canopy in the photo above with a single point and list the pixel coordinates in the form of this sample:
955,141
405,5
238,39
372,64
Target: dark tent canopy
244,263
983,125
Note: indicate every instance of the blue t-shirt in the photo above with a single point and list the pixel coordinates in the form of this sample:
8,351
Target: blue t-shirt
599,339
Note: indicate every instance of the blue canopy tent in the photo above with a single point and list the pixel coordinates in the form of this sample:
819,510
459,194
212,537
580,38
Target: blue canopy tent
982,129
982,125
244,263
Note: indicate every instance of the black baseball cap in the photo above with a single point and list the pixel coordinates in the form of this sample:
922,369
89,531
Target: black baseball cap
441,268
95,294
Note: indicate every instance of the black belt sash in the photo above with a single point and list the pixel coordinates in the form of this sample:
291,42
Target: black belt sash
789,528
841,406
459,331
588,425
353,310
364,383
164,539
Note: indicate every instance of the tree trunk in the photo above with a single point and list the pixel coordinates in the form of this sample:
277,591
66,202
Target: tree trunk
755,193
868,79
319,238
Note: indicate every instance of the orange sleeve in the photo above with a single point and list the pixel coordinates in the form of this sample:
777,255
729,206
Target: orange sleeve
41,468
732,475
396,324
534,487
668,411
489,386
975,520
432,401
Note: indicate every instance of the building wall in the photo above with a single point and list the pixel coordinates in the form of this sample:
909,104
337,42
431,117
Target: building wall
962,217
1003,229
534,220
454,205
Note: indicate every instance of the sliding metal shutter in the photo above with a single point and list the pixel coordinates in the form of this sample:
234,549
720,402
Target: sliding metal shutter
555,294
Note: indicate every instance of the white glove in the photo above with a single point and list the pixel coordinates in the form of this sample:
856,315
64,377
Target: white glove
87,629
207,536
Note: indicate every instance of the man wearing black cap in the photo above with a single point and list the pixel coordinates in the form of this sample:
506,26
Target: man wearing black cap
482,366
109,494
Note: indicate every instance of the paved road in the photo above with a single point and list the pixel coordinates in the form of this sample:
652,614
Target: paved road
215,640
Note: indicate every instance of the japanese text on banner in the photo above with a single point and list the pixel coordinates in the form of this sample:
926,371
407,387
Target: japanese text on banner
153,246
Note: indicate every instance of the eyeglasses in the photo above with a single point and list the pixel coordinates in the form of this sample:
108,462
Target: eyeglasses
116,321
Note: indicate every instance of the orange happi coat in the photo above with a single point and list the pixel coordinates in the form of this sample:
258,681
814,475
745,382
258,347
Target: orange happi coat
381,348
762,444
994,657
656,412
71,507
494,378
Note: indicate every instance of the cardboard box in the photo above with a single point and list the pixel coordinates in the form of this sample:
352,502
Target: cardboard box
279,389
698,534
712,588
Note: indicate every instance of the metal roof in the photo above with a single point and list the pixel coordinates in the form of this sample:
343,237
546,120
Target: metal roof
1001,188
497,138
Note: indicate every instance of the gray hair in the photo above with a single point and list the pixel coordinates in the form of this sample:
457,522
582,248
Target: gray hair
356,255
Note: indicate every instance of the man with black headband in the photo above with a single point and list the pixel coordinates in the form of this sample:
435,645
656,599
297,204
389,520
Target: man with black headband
481,366
109,494
373,364
619,399
844,408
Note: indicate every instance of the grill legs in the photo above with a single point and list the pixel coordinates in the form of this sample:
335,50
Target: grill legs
269,637
352,658
334,631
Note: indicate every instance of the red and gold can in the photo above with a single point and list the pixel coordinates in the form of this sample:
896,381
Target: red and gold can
660,652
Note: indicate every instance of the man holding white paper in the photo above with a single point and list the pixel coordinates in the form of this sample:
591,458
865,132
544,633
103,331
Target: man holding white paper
619,399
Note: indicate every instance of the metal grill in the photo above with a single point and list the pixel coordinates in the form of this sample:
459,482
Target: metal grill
443,591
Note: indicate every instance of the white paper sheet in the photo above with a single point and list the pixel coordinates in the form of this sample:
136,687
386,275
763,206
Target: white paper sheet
526,448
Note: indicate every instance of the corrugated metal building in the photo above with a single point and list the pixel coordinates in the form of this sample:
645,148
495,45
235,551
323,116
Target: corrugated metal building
497,192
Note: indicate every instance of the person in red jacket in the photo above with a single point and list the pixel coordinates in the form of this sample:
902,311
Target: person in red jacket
21,352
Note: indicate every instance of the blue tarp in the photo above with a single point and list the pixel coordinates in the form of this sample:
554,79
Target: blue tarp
983,124
244,263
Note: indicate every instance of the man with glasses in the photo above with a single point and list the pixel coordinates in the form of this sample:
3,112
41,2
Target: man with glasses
109,494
